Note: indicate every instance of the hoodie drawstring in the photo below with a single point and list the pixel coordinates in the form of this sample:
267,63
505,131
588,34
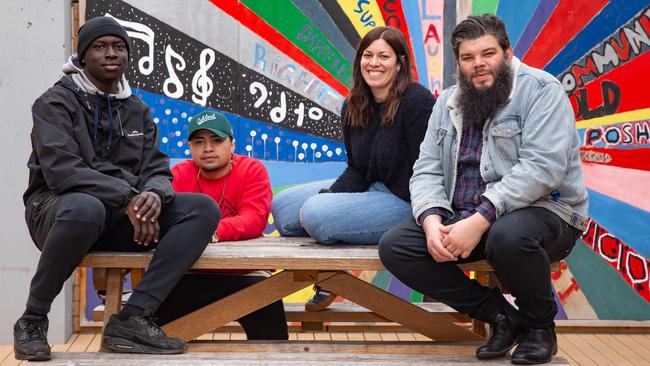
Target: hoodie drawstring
110,122
110,119
96,121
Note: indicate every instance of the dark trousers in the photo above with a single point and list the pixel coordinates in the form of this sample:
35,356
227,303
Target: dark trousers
196,290
66,227
520,246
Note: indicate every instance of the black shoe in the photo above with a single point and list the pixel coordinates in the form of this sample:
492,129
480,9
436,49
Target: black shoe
320,301
505,335
537,345
30,338
139,334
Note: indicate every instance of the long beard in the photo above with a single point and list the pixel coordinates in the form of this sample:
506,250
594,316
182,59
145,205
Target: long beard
477,106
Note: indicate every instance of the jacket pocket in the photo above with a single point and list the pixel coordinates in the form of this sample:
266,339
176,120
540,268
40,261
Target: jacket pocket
505,135
506,128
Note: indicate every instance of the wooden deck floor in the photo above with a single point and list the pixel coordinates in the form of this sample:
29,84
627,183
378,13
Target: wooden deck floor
577,348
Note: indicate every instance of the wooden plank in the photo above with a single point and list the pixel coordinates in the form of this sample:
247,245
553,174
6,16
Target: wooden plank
237,305
433,325
355,336
113,300
372,336
343,311
591,352
269,359
6,350
635,345
406,337
65,347
322,336
82,342
95,344
605,350
302,336
614,342
270,253
576,355
339,346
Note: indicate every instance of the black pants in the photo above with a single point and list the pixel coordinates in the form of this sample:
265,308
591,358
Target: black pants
66,227
196,290
519,245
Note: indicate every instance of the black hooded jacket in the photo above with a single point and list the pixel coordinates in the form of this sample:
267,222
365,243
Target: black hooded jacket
79,145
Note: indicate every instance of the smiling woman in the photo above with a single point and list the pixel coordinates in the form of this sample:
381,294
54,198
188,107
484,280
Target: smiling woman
384,120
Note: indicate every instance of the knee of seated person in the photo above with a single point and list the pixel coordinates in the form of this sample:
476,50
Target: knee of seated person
77,206
503,242
200,204
314,218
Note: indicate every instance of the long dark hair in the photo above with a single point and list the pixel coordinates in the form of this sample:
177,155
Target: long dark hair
358,109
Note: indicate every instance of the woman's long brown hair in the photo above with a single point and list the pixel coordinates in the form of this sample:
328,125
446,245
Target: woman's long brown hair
358,109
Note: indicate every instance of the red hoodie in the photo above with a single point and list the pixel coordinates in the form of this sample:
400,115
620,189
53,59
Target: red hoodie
244,195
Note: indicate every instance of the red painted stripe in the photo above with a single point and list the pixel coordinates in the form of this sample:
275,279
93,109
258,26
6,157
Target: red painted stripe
392,12
256,24
624,158
631,265
568,18
630,78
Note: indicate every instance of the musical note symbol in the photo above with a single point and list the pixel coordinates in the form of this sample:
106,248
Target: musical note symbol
144,33
201,84
173,79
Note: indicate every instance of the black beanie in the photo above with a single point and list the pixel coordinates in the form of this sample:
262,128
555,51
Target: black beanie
99,27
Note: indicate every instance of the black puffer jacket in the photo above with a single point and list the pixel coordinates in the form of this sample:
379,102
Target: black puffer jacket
386,154
77,148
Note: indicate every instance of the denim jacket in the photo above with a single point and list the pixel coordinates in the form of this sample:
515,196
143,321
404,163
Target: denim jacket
529,157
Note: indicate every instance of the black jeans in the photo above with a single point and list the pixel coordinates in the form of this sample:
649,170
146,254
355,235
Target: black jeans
66,227
519,245
196,290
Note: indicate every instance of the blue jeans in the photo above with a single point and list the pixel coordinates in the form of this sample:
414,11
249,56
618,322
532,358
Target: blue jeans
355,218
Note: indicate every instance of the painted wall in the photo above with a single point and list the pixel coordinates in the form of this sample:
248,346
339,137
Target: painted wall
280,69
37,39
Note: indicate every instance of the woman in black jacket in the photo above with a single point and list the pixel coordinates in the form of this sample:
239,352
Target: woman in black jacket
384,121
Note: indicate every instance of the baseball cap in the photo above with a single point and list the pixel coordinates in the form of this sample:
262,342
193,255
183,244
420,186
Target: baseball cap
212,121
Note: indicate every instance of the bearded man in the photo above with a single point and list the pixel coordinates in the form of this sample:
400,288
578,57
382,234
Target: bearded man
498,178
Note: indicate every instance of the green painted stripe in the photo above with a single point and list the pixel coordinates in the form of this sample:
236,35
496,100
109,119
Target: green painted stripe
609,294
480,7
416,296
382,279
287,19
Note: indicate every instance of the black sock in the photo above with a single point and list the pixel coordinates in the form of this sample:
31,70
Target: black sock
128,311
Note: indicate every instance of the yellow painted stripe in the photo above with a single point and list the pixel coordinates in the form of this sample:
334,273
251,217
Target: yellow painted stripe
636,115
369,12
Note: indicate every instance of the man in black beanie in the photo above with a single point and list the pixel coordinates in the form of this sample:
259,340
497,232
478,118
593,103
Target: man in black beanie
98,182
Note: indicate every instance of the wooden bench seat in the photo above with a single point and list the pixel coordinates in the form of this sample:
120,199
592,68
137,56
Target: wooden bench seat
304,262
297,358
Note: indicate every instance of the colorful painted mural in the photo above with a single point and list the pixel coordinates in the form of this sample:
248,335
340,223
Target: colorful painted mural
280,70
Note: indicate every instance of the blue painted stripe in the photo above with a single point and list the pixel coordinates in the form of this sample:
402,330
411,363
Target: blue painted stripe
283,173
626,222
612,17
412,16
539,18
516,14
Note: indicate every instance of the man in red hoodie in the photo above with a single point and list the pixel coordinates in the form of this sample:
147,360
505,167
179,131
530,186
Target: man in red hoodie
240,185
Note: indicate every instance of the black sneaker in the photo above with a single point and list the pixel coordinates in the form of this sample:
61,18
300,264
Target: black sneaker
30,338
139,334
